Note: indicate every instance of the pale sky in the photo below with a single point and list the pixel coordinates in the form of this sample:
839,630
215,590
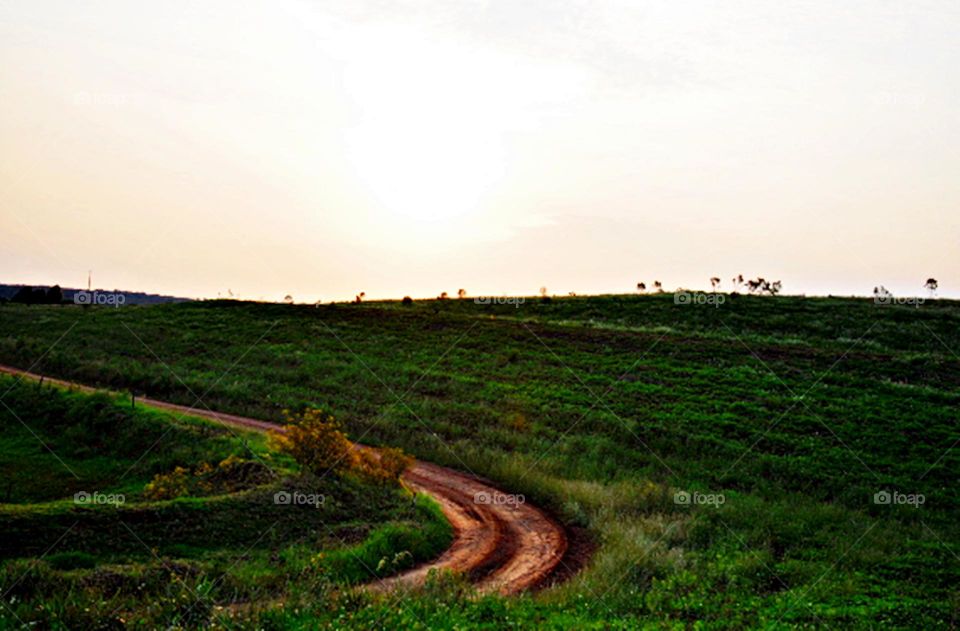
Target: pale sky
320,149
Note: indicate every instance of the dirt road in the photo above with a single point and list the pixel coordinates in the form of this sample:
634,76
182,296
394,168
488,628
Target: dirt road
501,542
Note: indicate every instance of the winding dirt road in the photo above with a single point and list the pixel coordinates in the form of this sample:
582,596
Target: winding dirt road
503,545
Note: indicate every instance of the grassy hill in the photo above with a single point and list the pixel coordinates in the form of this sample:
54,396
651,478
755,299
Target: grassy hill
726,459
88,542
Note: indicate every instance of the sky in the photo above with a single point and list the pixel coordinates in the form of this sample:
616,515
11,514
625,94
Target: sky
319,149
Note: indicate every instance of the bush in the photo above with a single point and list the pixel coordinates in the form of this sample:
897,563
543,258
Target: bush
383,466
232,474
167,486
317,442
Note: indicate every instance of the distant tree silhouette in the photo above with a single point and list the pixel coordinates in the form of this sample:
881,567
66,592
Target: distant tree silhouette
737,282
461,293
407,300
931,286
360,297
29,296
641,287
658,285
760,285
443,296
54,295
288,299
715,282
543,292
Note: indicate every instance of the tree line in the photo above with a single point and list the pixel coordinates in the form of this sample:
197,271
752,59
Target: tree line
38,296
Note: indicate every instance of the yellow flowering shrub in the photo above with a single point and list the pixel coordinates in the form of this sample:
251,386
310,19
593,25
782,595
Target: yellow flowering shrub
231,474
317,442
167,486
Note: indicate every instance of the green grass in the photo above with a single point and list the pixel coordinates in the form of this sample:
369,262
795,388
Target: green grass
797,410
72,565
56,443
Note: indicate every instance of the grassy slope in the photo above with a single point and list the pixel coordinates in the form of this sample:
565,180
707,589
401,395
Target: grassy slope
797,410
69,564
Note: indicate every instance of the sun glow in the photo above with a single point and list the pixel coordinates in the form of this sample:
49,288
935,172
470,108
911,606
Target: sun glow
426,171
428,145
435,121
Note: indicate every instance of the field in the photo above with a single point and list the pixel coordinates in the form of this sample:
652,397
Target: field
768,462
87,543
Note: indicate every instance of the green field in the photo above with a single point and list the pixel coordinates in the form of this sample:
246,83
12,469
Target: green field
220,546
785,416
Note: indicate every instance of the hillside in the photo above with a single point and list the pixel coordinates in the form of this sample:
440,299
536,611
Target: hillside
760,462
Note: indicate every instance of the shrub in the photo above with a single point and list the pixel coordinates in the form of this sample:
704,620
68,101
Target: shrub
230,475
393,462
234,474
383,466
317,442
167,486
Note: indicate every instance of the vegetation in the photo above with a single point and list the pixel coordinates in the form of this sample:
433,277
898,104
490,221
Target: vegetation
38,296
317,443
628,416
117,517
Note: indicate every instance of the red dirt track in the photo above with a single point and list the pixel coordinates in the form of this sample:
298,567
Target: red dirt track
501,543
